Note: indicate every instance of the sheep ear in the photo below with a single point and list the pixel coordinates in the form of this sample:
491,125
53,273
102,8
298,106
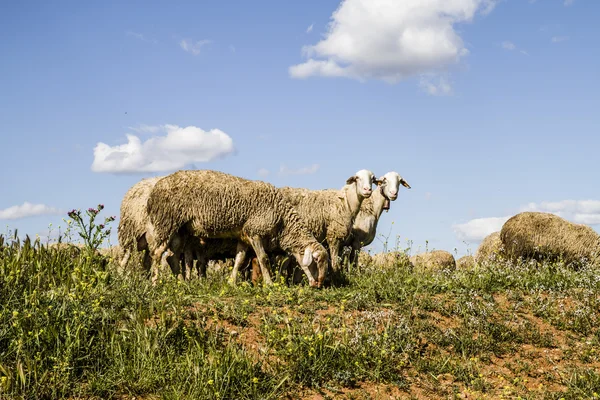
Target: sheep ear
308,257
379,181
351,180
404,183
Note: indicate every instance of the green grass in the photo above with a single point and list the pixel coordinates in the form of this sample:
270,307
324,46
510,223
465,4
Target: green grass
71,326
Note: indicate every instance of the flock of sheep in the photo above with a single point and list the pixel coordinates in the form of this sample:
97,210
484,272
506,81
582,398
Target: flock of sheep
198,216
204,215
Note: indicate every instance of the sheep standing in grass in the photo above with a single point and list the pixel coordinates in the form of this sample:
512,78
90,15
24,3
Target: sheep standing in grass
133,229
465,262
214,205
365,223
547,236
329,214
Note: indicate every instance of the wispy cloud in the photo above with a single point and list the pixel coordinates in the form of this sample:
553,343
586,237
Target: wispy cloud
28,210
141,37
232,48
506,45
558,39
568,2
174,149
510,46
263,172
310,28
441,87
193,47
284,170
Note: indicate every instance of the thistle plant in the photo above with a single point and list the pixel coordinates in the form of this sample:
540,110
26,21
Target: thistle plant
92,234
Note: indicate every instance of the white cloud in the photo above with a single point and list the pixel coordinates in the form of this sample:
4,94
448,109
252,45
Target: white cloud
232,48
28,210
439,88
569,2
310,28
506,45
284,170
193,48
390,40
263,172
477,229
178,148
558,39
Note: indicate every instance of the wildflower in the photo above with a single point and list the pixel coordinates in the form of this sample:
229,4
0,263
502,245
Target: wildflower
255,380
210,381
15,314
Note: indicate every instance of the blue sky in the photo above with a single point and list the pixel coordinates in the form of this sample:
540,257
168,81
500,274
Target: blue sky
486,108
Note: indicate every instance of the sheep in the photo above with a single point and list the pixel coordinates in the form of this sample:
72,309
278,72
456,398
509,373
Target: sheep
489,249
133,230
547,236
465,262
329,214
436,259
215,205
391,259
365,223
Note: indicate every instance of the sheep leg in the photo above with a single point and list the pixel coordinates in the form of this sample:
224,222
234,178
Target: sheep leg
157,261
240,257
188,259
334,250
263,258
125,260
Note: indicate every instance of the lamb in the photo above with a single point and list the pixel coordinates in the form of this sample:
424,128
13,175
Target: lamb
329,214
215,205
547,236
465,262
365,223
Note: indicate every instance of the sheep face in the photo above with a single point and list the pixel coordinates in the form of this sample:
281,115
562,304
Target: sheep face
320,256
364,182
390,183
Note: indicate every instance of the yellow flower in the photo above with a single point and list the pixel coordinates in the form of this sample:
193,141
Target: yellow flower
210,381
254,380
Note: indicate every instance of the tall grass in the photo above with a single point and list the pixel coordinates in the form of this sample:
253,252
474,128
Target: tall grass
72,326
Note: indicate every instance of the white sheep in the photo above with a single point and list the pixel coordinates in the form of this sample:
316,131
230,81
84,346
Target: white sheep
365,223
329,214
211,204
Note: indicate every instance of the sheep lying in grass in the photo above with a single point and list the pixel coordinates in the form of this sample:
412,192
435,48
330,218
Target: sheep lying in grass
214,205
329,214
434,260
365,224
489,249
465,262
547,236
133,229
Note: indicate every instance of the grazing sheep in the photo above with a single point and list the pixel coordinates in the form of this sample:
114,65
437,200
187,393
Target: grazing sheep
434,260
329,214
214,205
365,223
133,229
465,262
547,236
391,259
113,252
489,249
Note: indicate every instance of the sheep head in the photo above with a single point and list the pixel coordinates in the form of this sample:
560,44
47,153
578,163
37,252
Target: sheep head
363,180
389,185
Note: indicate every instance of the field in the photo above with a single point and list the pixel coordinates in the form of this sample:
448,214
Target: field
73,327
